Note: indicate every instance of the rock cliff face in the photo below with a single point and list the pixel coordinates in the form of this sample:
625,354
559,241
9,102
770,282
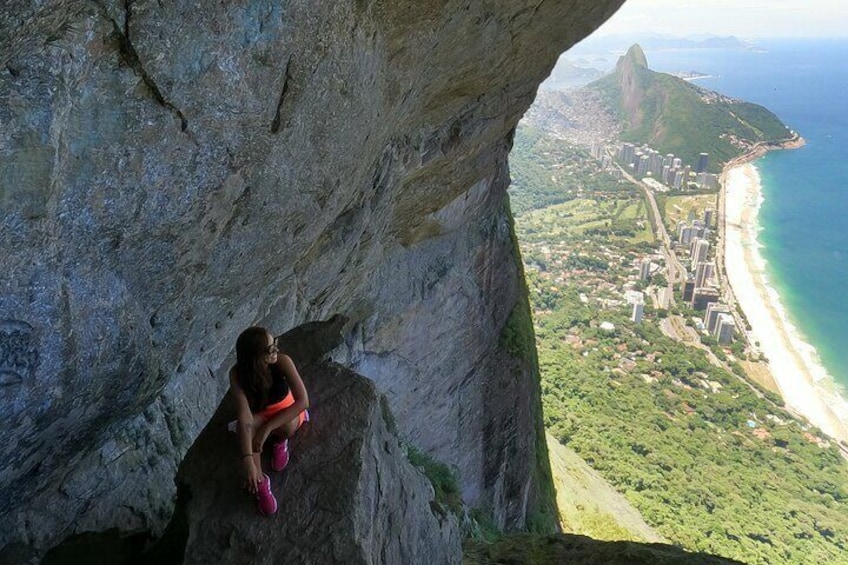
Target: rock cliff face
172,172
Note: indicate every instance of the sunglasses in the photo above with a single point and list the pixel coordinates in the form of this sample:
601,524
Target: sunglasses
271,349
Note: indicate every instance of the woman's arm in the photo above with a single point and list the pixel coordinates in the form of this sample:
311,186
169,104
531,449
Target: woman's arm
244,431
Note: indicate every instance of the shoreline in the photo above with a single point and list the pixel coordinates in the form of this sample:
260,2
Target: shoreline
804,383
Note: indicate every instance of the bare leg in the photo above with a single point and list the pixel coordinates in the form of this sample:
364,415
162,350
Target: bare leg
287,430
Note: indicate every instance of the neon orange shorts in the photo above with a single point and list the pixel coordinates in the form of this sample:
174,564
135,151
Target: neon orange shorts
269,412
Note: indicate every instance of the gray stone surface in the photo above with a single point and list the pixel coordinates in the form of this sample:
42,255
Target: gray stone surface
349,494
172,172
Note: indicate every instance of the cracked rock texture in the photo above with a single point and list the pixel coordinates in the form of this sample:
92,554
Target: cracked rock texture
174,171
349,495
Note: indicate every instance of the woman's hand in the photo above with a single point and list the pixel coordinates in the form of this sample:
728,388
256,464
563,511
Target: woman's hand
253,474
262,433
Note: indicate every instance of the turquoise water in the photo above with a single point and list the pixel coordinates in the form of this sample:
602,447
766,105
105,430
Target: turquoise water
804,218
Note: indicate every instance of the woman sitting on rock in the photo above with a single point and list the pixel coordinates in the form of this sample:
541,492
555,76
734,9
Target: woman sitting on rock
271,402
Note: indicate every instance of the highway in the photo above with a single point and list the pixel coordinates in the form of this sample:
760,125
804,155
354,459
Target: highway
675,272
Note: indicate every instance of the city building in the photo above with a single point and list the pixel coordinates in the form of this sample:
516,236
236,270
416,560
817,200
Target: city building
685,232
664,176
688,290
711,316
703,273
645,269
700,250
724,329
634,297
708,217
703,161
643,165
703,296
692,243
627,153
638,312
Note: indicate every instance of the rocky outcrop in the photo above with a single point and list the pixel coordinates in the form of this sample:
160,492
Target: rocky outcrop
581,550
172,174
349,495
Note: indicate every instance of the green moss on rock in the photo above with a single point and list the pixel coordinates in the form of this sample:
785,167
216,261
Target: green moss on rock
443,479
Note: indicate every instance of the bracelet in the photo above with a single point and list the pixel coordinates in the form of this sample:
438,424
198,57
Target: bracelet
247,455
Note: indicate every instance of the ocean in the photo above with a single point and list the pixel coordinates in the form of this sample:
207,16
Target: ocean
804,216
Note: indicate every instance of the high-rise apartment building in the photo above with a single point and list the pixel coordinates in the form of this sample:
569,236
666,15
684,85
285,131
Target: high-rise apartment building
724,329
700,250
688,290
644,165
638,312
645,269
627,153
703,160
703,296
685,233
711,316
703,273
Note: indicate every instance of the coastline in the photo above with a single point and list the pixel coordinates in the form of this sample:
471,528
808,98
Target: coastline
804,384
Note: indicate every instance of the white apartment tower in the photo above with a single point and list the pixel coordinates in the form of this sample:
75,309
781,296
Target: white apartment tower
703,272
700,251
714,309
724,329
645,269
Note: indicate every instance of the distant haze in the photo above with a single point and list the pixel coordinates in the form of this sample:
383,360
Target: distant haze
742,18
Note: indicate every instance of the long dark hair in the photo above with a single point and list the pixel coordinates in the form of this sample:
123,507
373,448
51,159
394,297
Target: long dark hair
252,371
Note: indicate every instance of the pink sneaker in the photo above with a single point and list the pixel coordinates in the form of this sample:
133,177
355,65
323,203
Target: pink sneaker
280,455
265,500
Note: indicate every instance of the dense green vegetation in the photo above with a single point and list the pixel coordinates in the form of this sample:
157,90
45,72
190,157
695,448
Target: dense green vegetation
445,484
675,116
683,454
708,463
547,171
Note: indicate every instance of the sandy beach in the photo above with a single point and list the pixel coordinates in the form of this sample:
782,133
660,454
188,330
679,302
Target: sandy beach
803,381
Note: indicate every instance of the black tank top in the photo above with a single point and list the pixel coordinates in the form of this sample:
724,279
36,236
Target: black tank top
279,385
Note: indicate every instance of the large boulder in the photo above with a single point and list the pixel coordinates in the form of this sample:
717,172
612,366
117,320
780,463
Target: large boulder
349,494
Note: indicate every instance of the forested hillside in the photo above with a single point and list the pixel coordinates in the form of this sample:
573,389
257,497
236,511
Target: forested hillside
676,116
711,461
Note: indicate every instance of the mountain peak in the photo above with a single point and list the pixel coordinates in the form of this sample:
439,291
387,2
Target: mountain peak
634,57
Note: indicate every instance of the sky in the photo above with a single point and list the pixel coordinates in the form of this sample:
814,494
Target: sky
743,18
